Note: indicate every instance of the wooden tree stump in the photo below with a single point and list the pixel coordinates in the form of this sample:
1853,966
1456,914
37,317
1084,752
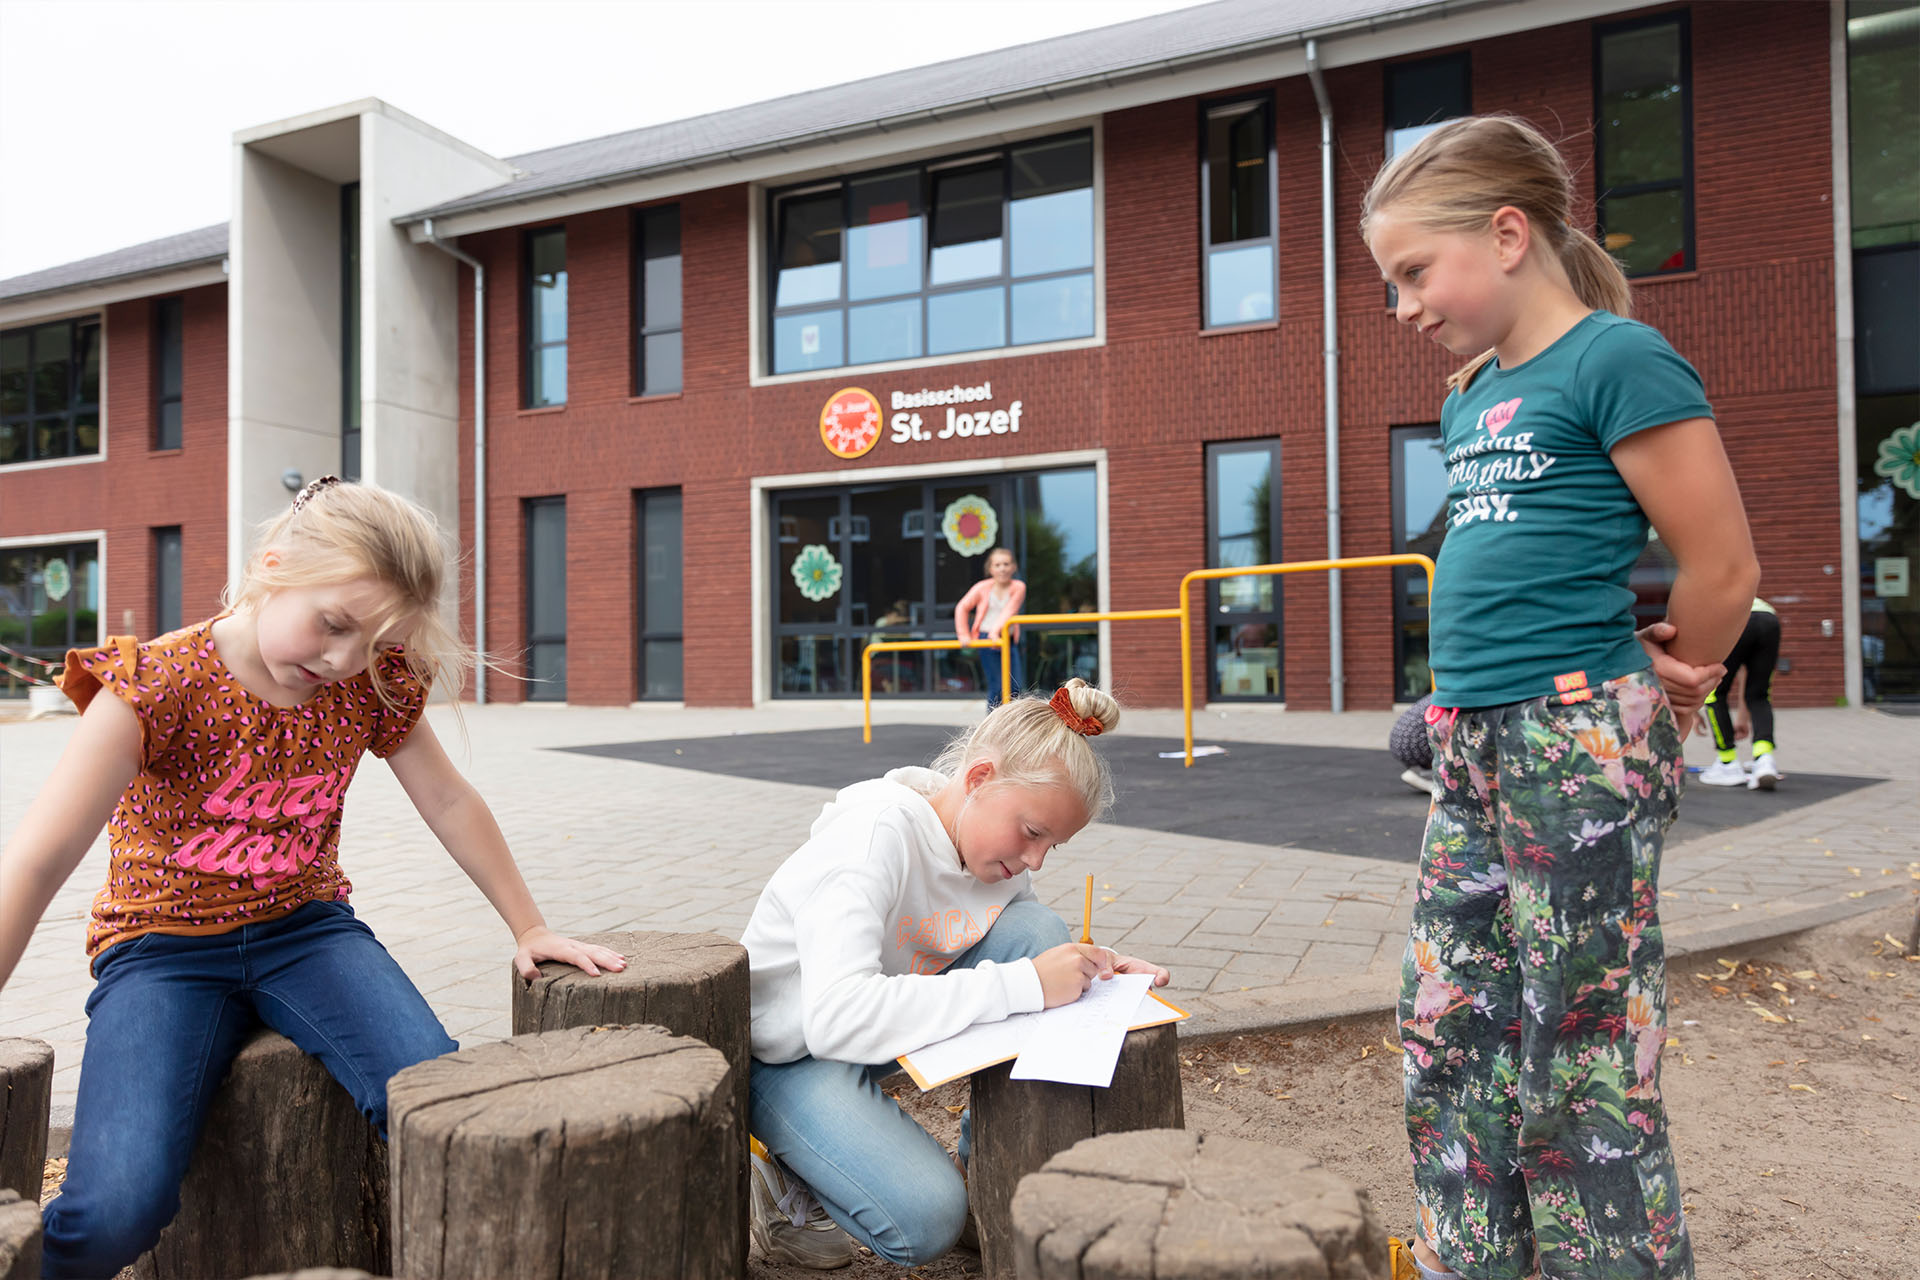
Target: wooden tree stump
1164,1204
693,984
287,1174
319,1273
19,1237
26,1097
591,1153
1019,1124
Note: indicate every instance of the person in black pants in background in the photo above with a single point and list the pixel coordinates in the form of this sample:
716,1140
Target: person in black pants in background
1751,663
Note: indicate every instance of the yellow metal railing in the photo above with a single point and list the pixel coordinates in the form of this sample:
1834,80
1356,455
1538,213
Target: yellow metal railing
1185,611
897,646
1004,645
1067,619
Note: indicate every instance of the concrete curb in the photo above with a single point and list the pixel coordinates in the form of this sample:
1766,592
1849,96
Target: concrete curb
1251,1013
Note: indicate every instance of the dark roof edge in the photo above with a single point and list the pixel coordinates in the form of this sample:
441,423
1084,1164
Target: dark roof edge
887,124
113,277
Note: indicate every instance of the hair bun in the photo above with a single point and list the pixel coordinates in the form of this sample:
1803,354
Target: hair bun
1093,705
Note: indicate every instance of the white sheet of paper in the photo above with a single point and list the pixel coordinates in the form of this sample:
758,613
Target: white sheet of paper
987,1042
1080,1043
1072,1055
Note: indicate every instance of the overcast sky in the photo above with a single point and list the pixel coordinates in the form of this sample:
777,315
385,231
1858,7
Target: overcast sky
117,116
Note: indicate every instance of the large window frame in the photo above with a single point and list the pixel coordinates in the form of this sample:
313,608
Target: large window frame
46,635
1220,615
350,438
37,408
1403,116
169,371
923,179
534,343
541,689
1411,607
658,349
168,579
1260,105
1683,182
652,680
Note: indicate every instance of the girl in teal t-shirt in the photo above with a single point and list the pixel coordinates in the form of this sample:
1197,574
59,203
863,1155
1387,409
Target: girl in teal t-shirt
1533,1003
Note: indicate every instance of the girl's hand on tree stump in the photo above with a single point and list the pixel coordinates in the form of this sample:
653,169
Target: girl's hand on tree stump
541,943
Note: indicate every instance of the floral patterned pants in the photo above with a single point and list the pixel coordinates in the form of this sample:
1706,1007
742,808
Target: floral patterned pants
1533,1000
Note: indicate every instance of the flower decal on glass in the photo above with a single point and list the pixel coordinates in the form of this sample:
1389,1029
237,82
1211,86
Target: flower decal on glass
970,524
1899,459
816,572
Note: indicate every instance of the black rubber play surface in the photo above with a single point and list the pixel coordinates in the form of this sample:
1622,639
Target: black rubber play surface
1339,800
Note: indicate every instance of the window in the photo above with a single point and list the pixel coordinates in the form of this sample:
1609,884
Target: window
1236,212
1644,156
168,344
50,391
660,626
1419,526
166,580
1243,513
1883,115
656,296
982,251
1421,96
50,598
545,319
547,599
350,331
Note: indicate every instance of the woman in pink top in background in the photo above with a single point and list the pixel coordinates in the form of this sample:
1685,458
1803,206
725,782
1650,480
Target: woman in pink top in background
997,597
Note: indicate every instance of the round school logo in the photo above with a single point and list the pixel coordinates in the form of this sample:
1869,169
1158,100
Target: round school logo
850,424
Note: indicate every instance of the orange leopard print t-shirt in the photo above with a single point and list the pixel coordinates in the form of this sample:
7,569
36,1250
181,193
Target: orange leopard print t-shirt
234,817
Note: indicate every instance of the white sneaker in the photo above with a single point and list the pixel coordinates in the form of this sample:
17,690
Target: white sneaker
788,1223
1765,775
1724,773
1421,780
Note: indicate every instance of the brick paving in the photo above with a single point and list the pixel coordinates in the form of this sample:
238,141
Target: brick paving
1255,934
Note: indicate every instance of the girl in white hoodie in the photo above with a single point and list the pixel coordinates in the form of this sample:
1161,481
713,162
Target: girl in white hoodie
907,916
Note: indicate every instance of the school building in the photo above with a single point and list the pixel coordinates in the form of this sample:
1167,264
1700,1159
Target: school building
712,404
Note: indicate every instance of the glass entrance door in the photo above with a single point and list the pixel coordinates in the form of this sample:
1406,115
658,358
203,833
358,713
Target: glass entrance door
857,564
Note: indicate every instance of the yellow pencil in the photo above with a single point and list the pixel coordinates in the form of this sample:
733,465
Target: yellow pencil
1086,916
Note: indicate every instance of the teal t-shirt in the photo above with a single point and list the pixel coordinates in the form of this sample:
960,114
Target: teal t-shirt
1531,583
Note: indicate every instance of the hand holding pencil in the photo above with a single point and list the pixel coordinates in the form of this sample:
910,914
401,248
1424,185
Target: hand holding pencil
1069,969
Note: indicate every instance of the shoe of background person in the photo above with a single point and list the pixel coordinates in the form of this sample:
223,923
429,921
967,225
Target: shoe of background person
1421,780
1765,775
788,1223
1724,773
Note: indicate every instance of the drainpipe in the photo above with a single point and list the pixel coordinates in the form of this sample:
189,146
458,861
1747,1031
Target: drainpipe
479,460
1336,660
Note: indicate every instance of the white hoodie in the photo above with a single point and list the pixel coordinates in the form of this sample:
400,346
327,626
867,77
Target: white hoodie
849,938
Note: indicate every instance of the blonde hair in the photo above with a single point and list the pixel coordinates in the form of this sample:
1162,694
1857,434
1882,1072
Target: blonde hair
1031,746
338,531
1456,177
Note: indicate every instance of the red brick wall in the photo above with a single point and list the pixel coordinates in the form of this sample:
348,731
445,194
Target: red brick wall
134,488
1756,317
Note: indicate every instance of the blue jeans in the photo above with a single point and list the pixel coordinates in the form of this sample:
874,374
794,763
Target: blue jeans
880,1175
990,662
166,1018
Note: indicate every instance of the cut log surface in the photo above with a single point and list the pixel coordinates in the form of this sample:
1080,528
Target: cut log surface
693,984
1018,1125
287,1174
19,1237
1164,1204
319,1273
589,1153
26,1094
